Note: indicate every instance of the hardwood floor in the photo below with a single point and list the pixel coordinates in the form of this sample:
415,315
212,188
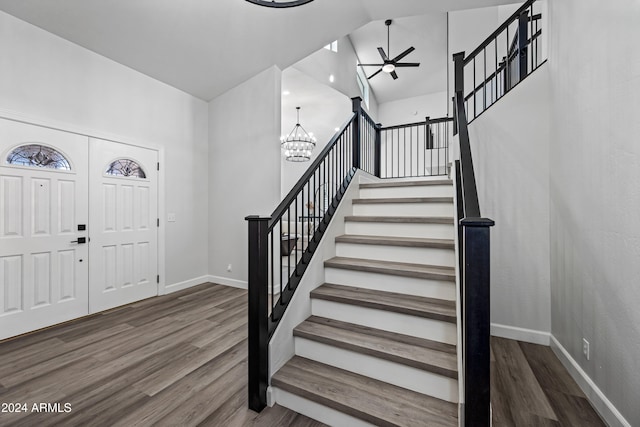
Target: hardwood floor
530,387
180,360
174,360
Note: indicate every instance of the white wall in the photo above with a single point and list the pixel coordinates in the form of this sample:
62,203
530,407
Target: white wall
594,180
244,169
411,110
44,78
510,146
342,64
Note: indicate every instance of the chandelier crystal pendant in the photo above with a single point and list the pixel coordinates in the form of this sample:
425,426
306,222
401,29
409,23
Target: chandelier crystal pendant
299,144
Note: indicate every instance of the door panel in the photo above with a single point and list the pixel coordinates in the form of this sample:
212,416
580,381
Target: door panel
124,234
43,271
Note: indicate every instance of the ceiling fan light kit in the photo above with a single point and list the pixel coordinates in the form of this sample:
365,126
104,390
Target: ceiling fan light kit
389,65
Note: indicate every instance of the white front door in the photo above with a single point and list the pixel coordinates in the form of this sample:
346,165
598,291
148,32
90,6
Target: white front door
43,219
124,213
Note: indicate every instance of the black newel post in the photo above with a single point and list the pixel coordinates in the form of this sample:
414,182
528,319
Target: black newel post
258,316
378,151
356,104
476,331
458,84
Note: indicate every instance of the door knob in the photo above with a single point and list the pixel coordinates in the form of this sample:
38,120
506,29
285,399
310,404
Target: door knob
80,240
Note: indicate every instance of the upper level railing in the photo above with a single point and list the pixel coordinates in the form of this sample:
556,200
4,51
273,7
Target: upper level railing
505,58
415,149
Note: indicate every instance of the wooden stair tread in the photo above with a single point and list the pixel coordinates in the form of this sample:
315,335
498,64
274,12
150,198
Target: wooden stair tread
404,269
406,183
401,219
403,200
418,353
431,308
413,242
371,400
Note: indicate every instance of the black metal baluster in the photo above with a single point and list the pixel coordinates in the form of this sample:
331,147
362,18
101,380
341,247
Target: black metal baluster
495,84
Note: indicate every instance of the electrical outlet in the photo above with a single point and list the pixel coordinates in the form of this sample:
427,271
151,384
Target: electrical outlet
229,267
171,217
585,348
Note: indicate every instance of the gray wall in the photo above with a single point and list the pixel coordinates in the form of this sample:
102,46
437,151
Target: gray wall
244,169
510,146
594,191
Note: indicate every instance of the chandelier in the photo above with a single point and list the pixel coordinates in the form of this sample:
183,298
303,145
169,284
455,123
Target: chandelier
298,145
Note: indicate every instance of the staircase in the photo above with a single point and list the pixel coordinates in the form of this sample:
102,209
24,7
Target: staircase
380,345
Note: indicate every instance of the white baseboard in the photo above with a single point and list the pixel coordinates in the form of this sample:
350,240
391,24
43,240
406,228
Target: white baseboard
174,287
602,405
520,334
228,281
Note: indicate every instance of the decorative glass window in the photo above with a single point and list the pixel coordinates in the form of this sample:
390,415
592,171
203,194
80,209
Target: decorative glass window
37,155
127,168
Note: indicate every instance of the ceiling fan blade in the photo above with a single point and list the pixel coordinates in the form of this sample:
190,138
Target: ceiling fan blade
382,54
370,65
407,64
394,75
374,74
403,54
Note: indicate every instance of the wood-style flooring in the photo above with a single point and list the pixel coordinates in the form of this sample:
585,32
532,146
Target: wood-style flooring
530,387
174,360
181,360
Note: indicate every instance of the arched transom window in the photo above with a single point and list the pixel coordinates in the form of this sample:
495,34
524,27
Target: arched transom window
126,168
37,155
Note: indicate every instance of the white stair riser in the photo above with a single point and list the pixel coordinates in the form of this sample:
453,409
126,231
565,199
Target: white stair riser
433,231
384,282
408,377
403,209
430,256
316,411
411,191
400,323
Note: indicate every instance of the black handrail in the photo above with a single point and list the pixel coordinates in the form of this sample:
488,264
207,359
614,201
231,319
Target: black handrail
274,237
500,29
290,197
519,49
473,262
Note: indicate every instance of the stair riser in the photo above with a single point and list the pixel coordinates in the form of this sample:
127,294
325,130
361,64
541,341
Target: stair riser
408,377
400,323
403,209
417,191
433,231
316,411
383,282
430,256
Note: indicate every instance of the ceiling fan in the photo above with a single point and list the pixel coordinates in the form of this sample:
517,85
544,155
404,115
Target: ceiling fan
389,65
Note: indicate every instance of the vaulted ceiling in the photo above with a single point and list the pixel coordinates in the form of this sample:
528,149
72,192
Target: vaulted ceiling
206,47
